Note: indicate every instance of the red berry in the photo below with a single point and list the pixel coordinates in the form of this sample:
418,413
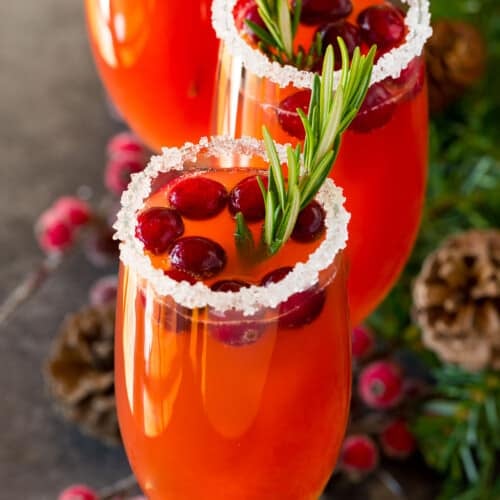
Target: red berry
247,10
397,440
78,492
363,342
412,78
229,285
324,11
198,197
310,223
54,233
382,25
359,455
345,30
376,110
158,227
74,210
201,257
288,118
118,171
178,275
234,329
125,142
381,385
246,197
104,291
300,308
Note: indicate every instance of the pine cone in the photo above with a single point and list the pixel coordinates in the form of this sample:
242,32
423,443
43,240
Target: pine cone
80,372
457,300
456,60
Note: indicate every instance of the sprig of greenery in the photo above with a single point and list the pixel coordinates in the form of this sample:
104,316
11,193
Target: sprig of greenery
330,113
277,38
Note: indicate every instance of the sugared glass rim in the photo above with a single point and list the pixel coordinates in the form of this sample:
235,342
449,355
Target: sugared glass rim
389,65
247,300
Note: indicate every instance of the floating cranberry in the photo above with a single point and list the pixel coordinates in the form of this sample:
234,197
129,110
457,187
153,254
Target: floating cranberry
412,78
324,11
381,385
383,25
300,308
397,440
229,285
198,197
246,197
359,455
288,118
376,110
201,257
244,11
233,328
158,227
178,275
310,223
345,30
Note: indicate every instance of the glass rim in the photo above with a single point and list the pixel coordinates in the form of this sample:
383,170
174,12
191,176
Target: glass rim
247,300
391,64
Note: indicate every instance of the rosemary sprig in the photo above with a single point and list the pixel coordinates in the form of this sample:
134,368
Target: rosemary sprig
330,113
277,38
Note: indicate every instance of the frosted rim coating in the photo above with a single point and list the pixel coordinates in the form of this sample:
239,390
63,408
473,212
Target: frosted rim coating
389,65
247,300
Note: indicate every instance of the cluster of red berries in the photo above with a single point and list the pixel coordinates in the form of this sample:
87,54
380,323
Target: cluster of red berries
382,24
59,227
382,387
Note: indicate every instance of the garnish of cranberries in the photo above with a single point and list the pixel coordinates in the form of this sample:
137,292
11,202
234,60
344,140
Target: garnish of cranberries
300,308
198,256
310,223
198,197
324,11
158,227
376,110
345,30
382,25
246,197
288,118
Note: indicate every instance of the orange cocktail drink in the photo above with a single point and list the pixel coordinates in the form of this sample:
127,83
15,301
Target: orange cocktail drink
232,371
156,58
382,165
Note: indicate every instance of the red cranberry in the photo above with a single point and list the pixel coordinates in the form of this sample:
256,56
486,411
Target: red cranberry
125,142
78,492
201,257
397,440
412,78
381,385
233,328
178,275
288,118
345,30
55,234
300,308
376,110
229,285
363,342
246,197
119,169
324,11
76,211
310,223
359,455
198,197
382,25
247,10
158,227
99,246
